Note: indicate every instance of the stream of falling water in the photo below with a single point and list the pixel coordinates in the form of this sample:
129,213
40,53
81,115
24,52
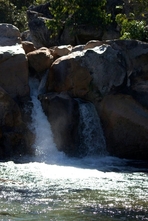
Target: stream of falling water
53,187
90,130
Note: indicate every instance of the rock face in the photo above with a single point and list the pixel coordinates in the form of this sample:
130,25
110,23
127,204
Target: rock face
67,74
114,76
125,124
101,68
63,115
106,66
14,71
15,138
39,33
135,53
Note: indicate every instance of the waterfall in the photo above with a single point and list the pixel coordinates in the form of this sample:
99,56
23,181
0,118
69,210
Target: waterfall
90,130
44,145
92,140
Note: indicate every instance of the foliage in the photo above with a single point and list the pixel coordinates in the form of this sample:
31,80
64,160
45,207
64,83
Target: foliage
14,12
76,13
6,11
9,13
131,28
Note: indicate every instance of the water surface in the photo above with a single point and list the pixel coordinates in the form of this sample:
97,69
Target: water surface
73,189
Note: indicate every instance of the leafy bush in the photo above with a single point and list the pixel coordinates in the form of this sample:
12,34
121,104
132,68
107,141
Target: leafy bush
6,11
76,13
14,12
131,28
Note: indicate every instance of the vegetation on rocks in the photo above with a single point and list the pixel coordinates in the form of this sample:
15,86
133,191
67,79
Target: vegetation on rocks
14,12
76,13
131,28
133,22
131,19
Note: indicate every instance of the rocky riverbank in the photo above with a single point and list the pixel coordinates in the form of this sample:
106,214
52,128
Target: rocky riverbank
111,74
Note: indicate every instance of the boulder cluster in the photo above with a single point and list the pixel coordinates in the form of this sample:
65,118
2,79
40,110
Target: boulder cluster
15,136
111,74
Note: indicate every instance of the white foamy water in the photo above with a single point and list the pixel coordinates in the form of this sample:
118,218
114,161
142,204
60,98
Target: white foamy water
73,190
91,130
44,145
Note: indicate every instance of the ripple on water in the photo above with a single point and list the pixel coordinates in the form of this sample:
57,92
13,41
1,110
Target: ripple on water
40,191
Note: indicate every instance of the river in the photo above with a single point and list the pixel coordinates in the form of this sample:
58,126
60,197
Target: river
51,186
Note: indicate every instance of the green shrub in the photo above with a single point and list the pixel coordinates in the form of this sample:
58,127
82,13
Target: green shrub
75,13
10,14
131,28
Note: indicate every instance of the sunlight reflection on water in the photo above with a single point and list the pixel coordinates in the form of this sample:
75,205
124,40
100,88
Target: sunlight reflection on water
60,192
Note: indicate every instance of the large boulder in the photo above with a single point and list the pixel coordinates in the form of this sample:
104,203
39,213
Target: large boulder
15,137
125,124
9,35
63,115
98,70
67,74
106,66
14,71
135,53
114,76
40,59
40,35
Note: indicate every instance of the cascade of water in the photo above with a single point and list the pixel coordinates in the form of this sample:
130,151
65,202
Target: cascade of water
92,140
90,130
44,143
